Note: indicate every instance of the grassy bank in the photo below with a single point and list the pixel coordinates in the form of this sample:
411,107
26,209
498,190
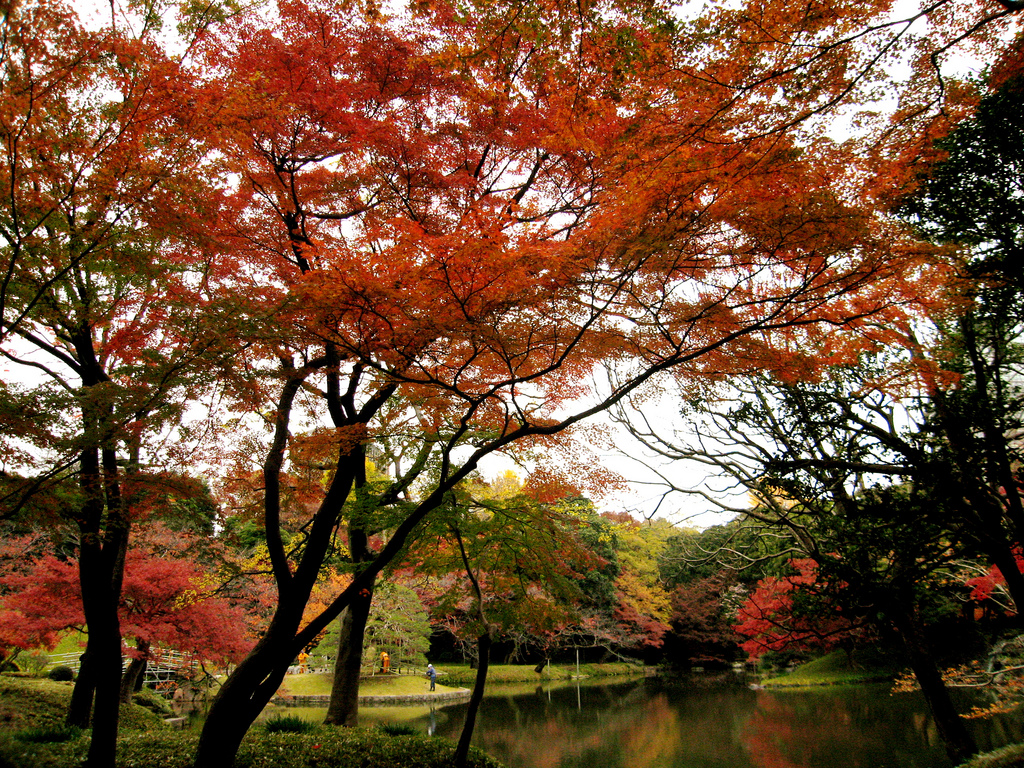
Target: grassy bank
398,685
454,676
460,675
838,668
32,736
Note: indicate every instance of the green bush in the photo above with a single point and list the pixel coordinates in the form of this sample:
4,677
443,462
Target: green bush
397,729
62,673
333,747
782,659
33,663
153,701
289,724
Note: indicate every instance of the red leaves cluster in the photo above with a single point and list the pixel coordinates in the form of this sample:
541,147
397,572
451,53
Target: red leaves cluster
771,622
165,602
985,587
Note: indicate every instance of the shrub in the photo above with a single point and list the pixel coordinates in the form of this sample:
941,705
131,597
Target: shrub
33,663
397,729
62,673
136,718
153,701
289,724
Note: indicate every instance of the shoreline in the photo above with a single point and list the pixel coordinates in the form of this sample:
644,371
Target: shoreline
303,700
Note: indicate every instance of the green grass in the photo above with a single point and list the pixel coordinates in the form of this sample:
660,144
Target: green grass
49,734
837,668
454,676
282,723
31,703
320,685
323,747
32,718
27,703
462,675
72,642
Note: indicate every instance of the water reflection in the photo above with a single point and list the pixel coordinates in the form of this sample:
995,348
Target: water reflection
703,721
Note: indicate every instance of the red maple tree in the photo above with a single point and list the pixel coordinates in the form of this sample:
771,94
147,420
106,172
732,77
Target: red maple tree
166,604
772,620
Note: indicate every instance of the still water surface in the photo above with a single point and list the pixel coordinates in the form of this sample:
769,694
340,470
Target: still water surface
699,722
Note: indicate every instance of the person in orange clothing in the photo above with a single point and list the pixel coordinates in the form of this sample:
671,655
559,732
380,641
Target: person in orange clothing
385,662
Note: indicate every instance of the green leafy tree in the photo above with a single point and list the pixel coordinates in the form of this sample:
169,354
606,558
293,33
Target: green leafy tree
501,561
398,623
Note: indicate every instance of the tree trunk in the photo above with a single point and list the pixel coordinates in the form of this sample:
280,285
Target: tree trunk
484,655
80,706
107,702
959,743
104,658
343,708
1004,559
243,696
7,662
132,676
104,544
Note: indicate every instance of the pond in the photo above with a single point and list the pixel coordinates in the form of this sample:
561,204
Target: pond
699,721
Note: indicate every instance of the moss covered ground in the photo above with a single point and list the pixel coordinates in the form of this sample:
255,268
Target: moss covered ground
1011,756
32,736
839,668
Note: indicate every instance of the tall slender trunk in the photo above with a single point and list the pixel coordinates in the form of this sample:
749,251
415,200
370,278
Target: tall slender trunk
343,708
100,599
483,659
476,698
959,743
253,683
103,529
107,702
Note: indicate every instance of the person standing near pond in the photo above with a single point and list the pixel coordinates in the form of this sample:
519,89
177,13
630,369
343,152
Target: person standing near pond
432,674
385,662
